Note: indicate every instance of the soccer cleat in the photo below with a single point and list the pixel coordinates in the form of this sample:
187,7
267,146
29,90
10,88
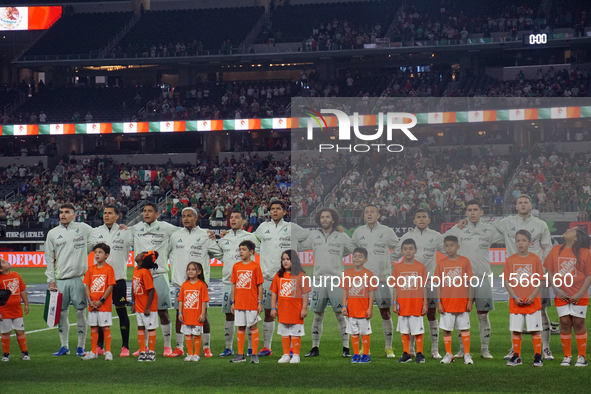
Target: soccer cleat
80,351
238,358
390,353
406,358
355,359
421,358
284,359
290,352
248,352
188,358
100,351
151,356
538,361
136,354
167,352
366,358
459,354
346,352
468,359
566,362
90,356
142,357
108,356
177,352
6,357
226,353
509,355
62,352
25,356
435,355
254,359
207,352
448,358
548,355
265,352
486,354
196,358
295,359
581,362
313,353
124,352
515,360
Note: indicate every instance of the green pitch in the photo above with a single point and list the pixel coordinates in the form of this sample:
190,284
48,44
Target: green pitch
329,372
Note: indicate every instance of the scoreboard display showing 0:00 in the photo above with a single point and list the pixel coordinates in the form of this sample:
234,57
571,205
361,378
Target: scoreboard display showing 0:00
535,39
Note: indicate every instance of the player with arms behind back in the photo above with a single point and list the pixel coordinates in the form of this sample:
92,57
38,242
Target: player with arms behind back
145,300
520,273
193,298
571,264
11,314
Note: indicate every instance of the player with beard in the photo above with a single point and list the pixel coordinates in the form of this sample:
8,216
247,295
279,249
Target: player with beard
329,247
379,240
120,241
229,243
428,243
190,244
275,236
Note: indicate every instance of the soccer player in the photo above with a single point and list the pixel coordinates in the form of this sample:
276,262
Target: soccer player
229,243
410,299
541,245
66,255
358,297
329,247
193,298
275,236
428,242
120,242
454,297
378,240
571,263
475,240
191,243
99,281
152,234
521,272
144,303
290,304
247,293
11,314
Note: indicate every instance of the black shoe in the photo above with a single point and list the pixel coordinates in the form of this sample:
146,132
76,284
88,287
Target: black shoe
419,358
314,352
346,353
405,358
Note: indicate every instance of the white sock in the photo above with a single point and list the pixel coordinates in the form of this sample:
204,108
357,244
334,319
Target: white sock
484,328
462,342
229,333
249,336
268,329
545,330
388,328
205,338
64,328
434,329
180,339
82,326
342,320
166,331
317,328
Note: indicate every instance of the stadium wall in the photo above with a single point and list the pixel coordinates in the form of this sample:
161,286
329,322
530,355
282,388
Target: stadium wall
177,158
112,6
23,160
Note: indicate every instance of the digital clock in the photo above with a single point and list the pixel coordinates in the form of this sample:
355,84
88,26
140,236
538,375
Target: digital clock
535,39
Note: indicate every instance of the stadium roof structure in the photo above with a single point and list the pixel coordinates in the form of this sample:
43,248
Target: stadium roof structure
430,118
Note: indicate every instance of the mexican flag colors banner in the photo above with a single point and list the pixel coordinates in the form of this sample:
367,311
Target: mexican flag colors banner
53,307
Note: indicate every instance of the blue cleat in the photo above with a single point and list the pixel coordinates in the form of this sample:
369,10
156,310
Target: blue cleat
249,353
265,352
366,358
356,359
62,352
80,352
226,353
